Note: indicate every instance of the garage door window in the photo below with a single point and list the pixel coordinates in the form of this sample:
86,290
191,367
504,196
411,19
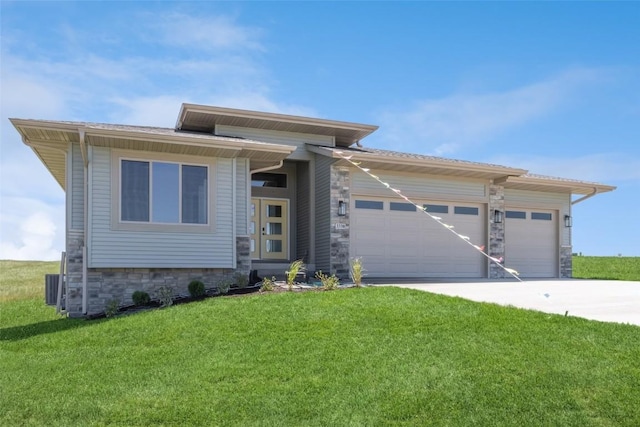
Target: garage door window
444,209
516,214
465,210
541,216
369,204
404,207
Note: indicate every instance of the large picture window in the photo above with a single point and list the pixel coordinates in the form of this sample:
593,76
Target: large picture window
163,192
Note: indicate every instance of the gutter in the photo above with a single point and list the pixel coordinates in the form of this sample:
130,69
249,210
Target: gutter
583,198
267,168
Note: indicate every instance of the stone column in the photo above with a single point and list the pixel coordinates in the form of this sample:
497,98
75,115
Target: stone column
75,241
339,252
496,231
566,261
243,254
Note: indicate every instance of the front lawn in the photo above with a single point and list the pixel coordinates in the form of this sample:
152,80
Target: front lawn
371,356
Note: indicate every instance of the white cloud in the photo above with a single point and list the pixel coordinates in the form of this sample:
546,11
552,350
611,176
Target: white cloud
31,229
446,125
206,32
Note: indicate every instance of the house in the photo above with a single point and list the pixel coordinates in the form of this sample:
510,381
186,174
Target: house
227,191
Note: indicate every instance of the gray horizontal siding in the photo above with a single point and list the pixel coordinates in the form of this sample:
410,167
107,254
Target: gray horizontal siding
417,186
77,188
118,248
242,198
323,212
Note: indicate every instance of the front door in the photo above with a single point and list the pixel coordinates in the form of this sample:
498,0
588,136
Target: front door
269,228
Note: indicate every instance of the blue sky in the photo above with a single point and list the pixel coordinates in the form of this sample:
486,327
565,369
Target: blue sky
550,87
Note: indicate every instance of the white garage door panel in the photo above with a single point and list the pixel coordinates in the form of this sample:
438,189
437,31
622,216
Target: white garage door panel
531,245
394,243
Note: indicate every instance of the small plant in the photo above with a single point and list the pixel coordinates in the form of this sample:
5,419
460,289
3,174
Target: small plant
356,271
141,298
112,308
165,296
223,286
329,283
242,280
295,268
196,288
268,285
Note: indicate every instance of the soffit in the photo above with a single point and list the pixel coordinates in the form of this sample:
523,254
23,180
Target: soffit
554,184
203,118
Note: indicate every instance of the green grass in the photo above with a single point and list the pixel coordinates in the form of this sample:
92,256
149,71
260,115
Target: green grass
369,356
600,267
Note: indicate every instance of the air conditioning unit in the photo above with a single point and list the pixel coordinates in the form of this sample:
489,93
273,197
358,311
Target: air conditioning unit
51,288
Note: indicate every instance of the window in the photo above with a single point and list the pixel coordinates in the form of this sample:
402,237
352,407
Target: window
437,208
369,204
465,210
163,192
516,214
541,216
272,180
405,207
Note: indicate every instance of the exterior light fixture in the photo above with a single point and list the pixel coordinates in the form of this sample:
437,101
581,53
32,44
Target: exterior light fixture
497,216
568,222
342,208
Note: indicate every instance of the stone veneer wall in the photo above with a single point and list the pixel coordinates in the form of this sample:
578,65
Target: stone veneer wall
496,231
106,284
339,251
566,262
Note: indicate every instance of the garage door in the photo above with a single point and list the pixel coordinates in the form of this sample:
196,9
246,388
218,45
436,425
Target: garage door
395,239
531,242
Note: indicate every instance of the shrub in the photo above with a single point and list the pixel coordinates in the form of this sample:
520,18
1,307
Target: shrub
196,288
242,280
223,286
329,283
267,284
356,270
141,298
112,308
295,268
165,296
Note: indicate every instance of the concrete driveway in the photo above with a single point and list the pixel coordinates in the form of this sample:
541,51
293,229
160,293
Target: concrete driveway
604,300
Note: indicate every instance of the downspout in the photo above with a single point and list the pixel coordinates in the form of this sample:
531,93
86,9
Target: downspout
234,261
583,198
85,163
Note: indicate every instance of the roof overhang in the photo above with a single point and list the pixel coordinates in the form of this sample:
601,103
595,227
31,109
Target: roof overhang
557,185
50,141
204,118
433,166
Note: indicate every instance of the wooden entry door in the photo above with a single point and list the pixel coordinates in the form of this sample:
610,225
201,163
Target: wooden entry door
269,228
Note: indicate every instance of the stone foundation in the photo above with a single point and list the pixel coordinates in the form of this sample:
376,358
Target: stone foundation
106,284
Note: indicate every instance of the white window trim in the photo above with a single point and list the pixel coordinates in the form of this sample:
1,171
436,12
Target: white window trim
116,186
